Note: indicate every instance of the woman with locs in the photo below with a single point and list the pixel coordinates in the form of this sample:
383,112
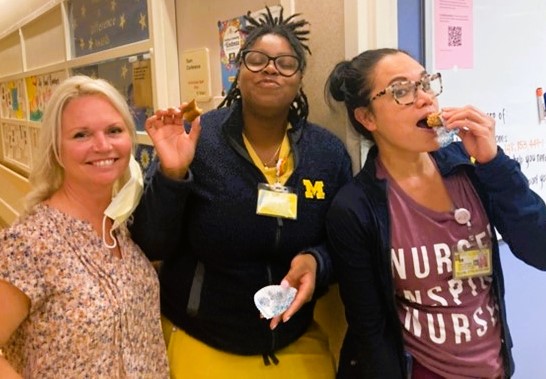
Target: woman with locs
237,202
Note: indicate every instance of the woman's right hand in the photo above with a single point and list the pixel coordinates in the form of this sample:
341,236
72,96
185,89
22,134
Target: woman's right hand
174,146
476,131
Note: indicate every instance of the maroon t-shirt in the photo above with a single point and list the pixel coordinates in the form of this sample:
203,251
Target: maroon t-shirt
451,326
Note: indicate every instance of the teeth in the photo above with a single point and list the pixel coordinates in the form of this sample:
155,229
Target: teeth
106,162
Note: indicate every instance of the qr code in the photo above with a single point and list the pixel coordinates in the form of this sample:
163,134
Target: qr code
454,35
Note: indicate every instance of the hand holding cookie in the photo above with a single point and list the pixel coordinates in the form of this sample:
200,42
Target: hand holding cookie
174,143
476,129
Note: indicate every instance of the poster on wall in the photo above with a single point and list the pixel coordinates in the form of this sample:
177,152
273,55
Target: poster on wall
99,25
39,89
231,40
140,97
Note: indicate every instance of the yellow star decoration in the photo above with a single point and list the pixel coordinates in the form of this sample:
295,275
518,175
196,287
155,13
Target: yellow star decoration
145,159
83,11
90,43
124,71
82,44
113,5
122,21
142,21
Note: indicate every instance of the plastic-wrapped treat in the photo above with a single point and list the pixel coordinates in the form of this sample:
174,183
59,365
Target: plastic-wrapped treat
444,136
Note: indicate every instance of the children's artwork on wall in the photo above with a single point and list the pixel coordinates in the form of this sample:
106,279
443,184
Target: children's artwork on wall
33,137
39,89
16,146
13,99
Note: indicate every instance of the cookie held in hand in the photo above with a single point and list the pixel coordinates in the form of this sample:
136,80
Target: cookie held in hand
191,111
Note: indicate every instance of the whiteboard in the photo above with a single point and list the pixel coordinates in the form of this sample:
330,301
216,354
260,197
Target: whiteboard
508,40
509,63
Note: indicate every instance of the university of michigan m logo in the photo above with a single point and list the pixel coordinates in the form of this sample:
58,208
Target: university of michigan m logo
314,190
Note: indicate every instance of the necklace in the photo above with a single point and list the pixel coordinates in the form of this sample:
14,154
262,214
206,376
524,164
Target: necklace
269,163
272,162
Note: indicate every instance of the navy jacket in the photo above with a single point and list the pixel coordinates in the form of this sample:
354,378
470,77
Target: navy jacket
359,231
217,252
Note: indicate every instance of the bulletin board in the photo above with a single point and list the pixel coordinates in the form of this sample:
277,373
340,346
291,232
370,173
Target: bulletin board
492,54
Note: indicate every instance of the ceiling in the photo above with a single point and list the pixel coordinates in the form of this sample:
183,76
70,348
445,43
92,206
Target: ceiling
16,12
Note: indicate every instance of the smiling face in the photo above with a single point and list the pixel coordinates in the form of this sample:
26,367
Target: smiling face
95,143
267,91
394,126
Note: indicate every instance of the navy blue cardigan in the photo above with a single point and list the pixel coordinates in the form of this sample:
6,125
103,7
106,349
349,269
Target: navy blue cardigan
217,252
359,231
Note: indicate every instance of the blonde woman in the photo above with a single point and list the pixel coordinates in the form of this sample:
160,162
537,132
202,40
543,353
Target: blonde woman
79,299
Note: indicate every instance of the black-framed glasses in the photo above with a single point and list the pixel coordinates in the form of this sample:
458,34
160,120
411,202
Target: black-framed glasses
405,92
255,61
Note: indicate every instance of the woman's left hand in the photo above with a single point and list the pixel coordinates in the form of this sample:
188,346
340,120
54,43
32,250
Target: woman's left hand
302,276
476,130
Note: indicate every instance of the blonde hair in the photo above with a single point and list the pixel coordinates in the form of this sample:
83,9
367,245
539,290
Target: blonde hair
47,173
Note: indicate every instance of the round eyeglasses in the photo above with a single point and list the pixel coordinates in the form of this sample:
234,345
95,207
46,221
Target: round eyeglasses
405,92
255,61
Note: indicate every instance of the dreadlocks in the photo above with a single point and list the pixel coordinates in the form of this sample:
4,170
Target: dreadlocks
289,28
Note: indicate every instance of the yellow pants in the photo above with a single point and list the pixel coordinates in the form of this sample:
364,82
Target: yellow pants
307,358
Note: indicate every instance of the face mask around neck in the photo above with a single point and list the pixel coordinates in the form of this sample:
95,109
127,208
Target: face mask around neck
124,203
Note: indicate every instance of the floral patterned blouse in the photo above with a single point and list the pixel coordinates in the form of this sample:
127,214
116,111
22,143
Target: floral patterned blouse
92,315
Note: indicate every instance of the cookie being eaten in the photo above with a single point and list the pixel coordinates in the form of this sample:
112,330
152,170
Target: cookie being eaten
191,111
434,120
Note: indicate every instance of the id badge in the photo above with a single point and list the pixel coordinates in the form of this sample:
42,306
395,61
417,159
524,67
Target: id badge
471,263
277,201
